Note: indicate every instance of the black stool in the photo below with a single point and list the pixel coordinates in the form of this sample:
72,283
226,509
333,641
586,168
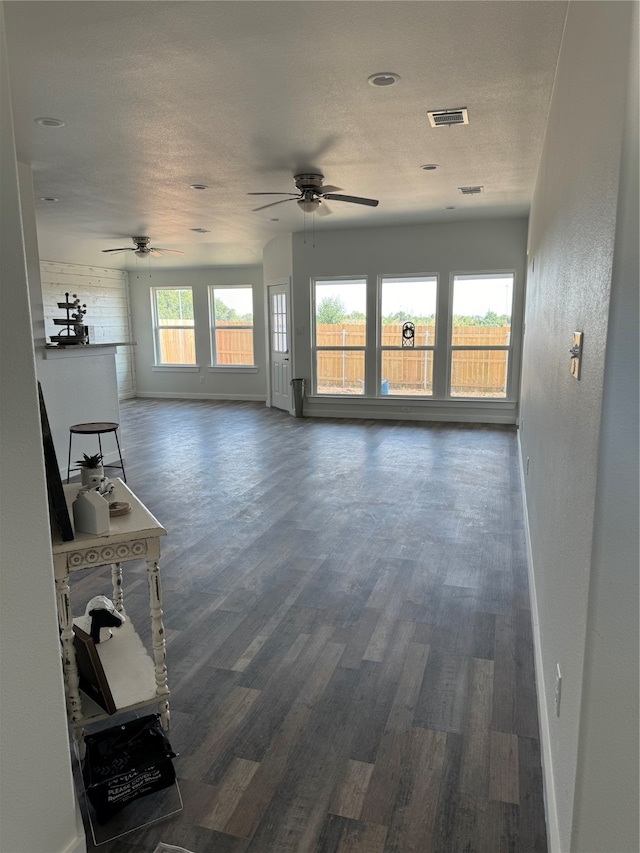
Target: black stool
96,429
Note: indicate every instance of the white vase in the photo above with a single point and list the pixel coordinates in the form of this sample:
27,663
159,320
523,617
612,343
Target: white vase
87,473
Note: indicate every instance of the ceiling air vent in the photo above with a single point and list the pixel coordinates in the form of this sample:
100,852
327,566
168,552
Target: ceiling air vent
438,118
470,190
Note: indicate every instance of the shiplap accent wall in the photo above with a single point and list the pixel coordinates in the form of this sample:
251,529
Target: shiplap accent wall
106,294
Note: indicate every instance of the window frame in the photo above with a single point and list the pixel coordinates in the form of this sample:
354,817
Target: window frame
380,348
356,279
508,348
213,325
157,349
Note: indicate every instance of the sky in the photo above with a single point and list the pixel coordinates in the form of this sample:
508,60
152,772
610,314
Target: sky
473,295
239,298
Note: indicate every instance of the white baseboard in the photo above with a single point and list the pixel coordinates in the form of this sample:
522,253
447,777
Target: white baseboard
550,807
173,395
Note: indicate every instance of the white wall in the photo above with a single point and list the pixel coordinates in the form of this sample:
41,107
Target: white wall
205,383
442,249
571,253
607,793
105,292
37,803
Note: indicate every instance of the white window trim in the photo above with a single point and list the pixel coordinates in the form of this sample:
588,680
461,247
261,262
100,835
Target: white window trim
420,348
153,290
314,346
509,348
214,367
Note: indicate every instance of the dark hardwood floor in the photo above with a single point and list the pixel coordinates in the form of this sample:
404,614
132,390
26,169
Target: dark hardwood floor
348,632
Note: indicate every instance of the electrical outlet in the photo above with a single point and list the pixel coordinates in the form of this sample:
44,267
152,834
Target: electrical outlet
527,471
558,689
202,380
404,409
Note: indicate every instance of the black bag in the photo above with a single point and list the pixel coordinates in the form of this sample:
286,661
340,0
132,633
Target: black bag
126,762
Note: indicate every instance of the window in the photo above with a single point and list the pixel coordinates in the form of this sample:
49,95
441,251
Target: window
231,318
174,335
482,307
340,313
406,353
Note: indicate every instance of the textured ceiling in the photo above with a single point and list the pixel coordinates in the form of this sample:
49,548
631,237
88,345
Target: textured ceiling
240,96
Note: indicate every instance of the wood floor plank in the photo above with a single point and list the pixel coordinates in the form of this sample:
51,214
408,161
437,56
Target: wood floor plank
228,794
503,768
444,696
474,771
232,712
363,838
258,795
348,799
412,820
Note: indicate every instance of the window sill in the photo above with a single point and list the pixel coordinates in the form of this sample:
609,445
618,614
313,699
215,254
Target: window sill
232,368
176,368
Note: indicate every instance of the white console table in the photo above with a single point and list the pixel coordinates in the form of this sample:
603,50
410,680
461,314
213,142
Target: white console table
136,680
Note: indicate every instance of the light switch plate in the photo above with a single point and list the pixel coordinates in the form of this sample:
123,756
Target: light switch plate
576,354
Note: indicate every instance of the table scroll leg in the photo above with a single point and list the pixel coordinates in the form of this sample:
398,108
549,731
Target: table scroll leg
70,668
116,580
157,639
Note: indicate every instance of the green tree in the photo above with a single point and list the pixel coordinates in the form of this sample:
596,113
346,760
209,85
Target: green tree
331,310
174,304
223,312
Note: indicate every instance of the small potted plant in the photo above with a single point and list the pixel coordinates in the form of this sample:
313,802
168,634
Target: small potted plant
89,467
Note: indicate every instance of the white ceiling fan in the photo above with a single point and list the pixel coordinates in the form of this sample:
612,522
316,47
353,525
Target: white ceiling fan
142,248
312,193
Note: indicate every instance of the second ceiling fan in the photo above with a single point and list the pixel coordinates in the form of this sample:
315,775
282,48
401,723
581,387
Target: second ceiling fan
311,194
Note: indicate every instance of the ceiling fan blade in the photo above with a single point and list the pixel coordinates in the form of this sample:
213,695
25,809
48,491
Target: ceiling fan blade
327,188
372,202
324,209
273,203
127,249
168,251
155,253
272,194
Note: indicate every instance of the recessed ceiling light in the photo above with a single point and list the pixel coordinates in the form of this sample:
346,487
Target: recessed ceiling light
383,78
47,198
430,167
49,122
273,219
200,230
449,208
198,187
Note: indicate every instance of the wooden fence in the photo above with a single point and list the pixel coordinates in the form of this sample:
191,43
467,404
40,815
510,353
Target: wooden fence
408,371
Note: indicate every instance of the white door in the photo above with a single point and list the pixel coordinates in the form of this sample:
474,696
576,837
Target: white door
279,337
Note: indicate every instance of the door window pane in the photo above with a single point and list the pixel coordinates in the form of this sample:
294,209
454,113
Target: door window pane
279,322
479,373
